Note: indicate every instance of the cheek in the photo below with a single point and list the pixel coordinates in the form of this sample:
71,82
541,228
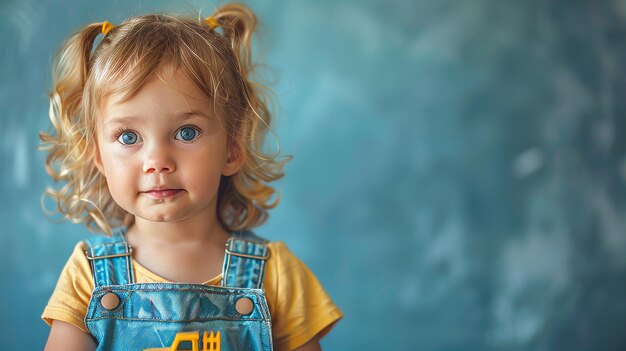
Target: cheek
202,171
118,172
120,184
114,160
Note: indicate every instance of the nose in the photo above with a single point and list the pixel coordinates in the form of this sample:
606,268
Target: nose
158,160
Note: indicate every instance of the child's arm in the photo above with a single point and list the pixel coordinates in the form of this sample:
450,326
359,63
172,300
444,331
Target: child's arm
66,337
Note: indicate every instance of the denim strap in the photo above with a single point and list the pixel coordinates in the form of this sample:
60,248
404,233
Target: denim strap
110,259
244,261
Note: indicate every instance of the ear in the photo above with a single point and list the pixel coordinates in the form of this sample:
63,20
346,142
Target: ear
235,158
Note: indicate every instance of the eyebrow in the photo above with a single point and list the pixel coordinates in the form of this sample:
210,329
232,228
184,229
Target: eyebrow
180,116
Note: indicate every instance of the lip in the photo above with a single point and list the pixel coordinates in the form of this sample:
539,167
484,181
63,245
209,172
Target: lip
161,193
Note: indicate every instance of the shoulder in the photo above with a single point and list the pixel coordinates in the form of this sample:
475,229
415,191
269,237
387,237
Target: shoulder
279,248
77,263
281,257
78,268
285,269
76,277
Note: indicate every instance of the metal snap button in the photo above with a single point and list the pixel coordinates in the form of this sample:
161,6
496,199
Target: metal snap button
110,301
244,306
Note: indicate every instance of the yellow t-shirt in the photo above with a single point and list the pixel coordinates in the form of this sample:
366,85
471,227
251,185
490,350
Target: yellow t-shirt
299,306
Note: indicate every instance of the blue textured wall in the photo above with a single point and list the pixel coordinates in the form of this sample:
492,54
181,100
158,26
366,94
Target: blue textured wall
459,171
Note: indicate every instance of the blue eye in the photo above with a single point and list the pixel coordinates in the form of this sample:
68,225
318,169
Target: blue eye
128,138
186,134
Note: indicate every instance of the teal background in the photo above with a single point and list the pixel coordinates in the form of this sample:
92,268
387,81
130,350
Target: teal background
458,177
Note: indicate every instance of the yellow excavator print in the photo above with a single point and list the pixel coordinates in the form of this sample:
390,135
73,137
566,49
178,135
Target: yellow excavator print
210,342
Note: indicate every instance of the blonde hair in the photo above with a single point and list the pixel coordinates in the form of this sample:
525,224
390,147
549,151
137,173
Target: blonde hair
216,60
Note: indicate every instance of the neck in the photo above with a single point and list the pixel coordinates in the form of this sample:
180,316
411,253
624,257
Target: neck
199,229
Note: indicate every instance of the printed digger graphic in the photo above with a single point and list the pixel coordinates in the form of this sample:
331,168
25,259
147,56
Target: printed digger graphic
190,341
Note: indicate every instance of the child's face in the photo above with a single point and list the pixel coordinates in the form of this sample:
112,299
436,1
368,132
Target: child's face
163,152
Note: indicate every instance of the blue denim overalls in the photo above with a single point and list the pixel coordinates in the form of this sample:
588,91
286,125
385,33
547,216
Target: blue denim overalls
124,315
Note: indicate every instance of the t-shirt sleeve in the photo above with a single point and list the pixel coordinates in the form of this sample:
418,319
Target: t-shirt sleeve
71,296
300,308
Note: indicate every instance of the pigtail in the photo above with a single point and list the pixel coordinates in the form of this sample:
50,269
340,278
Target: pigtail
71,145
238,24
246,197
70,70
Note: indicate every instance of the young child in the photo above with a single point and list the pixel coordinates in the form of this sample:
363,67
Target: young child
158,136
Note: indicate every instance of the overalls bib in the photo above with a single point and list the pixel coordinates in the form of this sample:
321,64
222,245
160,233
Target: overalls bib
124,315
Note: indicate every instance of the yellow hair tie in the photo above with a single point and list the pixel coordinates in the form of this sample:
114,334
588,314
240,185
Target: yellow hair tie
106,27
211,22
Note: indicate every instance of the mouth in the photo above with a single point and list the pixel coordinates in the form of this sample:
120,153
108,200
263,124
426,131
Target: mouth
162,193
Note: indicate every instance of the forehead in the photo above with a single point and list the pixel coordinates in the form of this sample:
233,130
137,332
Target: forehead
167,91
